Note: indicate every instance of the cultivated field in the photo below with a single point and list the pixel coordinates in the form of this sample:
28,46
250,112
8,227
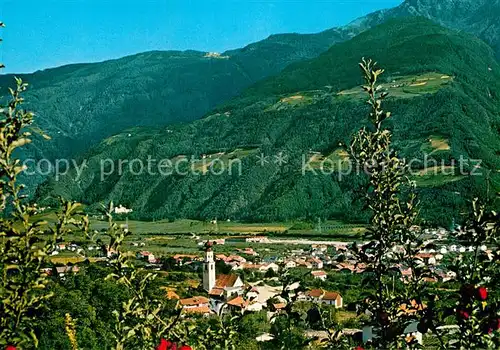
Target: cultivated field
406,86
186,236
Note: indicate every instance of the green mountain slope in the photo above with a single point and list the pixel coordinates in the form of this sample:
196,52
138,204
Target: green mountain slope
477,17
80,105
430,48
446,102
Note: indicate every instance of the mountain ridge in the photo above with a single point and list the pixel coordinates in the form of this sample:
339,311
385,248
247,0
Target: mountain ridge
80,105
244,67
477,17
189,82
295,121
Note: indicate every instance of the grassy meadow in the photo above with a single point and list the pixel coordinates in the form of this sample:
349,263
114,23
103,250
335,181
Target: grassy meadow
185,236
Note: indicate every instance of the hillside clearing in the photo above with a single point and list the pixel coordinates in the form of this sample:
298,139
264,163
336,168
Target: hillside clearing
406,86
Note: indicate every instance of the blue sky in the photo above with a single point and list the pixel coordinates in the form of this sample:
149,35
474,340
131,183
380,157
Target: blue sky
47,33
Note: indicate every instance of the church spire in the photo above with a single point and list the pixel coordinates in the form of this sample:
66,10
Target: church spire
208,267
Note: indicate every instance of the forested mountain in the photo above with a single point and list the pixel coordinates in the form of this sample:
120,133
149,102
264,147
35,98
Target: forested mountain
478,17
79,105
445,101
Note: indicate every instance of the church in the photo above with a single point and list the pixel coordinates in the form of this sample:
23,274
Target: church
221,287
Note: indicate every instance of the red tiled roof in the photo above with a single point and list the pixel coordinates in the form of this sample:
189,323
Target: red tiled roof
322,294
318,273
342,266
361,266
224,281
279,306
253,266
406,272
238,302
197,310
236,258
194,301
315,293
330,296
318,246
184,256
424,255
216,292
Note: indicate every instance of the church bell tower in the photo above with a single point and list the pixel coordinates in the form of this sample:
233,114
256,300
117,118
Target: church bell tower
208,268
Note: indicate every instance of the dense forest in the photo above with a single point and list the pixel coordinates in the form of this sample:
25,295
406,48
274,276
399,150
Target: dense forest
461,111
157,88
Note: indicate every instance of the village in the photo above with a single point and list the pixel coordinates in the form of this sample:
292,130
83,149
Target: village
248,278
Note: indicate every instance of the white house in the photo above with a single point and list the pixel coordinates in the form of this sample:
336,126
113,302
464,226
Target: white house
122,210
196,305
255,306
325,297
260,267
304,263
426,259
150,257
226,286
319,275
316,263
